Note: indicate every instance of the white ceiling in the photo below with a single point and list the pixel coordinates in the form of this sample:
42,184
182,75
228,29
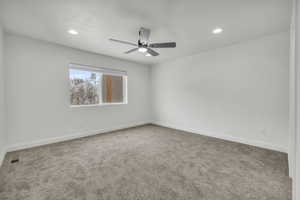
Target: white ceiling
188,22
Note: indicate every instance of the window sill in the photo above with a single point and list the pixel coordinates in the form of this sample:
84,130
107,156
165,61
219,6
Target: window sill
96,105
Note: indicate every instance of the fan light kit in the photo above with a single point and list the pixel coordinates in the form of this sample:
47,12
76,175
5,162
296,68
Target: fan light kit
217,31
143,45
73,32
142,49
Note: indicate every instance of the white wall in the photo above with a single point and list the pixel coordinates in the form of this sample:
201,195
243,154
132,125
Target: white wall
3,134
239,92
38,94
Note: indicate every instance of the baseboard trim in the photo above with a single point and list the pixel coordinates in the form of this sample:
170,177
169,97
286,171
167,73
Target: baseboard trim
22,146
226,137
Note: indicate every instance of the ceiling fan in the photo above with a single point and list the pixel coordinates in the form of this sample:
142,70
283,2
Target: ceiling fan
143,45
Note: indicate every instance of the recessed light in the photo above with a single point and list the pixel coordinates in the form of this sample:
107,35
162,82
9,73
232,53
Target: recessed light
148,54
73,32
142,49
217,31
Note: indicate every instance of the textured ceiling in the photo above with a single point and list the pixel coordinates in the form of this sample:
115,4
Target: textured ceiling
188,22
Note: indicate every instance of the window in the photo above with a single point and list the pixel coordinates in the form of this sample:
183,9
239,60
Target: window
97,86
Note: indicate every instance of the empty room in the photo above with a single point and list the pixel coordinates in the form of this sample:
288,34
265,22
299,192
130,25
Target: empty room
149,100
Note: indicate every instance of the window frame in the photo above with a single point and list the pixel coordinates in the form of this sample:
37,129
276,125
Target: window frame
102,70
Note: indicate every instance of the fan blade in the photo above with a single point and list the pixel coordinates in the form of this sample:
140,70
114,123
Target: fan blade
152,52
131,50
123,42
144,35
163,45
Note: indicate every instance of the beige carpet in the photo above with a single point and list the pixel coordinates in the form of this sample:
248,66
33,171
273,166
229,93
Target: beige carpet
145,163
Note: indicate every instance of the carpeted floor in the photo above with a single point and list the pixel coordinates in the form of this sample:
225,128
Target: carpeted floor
145,163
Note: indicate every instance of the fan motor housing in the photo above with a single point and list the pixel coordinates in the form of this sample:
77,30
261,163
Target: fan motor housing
140,44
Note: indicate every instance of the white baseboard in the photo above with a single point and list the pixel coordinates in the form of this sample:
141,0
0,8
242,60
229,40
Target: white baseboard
226,137
21,146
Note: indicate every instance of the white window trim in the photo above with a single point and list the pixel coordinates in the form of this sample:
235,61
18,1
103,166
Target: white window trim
95,105
102,70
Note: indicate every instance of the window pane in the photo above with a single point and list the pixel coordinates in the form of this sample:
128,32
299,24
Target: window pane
112,89
85,87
